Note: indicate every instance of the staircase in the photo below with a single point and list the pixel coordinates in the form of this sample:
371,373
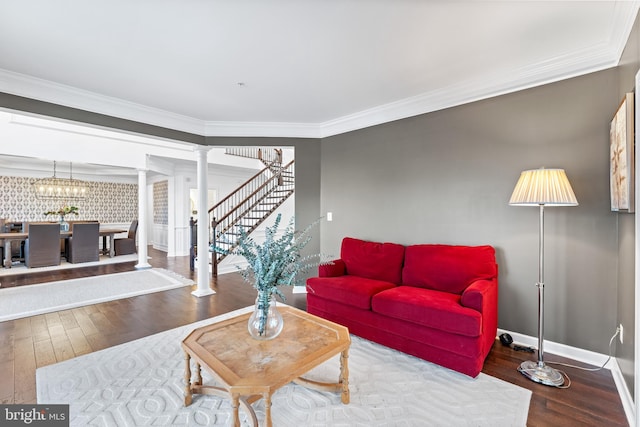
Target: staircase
250,204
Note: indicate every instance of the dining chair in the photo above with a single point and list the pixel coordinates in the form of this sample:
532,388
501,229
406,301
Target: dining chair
127,245
42,245
84,243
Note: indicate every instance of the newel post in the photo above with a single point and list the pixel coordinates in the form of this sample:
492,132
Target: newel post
214,254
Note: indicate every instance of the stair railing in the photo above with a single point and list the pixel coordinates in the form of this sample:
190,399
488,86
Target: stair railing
274,181
265,154
229,211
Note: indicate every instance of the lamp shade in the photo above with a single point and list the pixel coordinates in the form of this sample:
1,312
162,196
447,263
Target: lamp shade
549,187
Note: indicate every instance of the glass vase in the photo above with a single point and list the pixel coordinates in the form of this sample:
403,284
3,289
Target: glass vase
64,225
266,321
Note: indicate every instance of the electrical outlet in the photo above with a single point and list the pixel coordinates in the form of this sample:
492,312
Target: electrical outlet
621,334
329,216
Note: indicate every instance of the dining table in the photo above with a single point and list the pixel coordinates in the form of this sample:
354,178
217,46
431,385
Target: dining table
7,239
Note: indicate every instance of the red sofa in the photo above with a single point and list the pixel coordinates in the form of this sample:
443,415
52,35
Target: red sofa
436,302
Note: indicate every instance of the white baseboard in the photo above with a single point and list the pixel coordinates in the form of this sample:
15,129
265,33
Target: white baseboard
225,267
585,356
575,353
623,391
160,247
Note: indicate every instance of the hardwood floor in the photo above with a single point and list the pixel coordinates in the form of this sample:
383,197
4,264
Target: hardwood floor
26,344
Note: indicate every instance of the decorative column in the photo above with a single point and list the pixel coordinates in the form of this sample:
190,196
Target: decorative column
202,264
142,220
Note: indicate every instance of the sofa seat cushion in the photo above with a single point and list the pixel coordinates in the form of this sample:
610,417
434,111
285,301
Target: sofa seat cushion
433,309
373,260
448,268
350,290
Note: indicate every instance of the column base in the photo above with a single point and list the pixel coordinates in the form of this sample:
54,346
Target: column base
203,292
142,266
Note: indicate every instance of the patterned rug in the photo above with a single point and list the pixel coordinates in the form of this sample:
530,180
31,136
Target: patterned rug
141,383
30,300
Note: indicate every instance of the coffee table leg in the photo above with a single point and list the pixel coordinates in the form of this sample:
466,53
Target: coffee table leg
344,375
235,404
267,409
198,374
187,378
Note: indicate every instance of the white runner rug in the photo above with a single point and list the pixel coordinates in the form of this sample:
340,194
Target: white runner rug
141,383
30,300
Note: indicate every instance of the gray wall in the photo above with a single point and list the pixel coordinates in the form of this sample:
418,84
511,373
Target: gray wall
446,177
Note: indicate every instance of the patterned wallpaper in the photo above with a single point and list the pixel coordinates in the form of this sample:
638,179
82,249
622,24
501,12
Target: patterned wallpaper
107,202
161,202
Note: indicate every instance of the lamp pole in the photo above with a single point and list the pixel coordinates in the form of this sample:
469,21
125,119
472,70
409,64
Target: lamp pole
539,372
540,285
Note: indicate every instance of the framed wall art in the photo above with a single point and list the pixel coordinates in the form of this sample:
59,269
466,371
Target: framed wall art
621,156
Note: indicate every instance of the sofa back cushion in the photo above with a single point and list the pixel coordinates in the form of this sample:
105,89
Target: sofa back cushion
372,260
447,268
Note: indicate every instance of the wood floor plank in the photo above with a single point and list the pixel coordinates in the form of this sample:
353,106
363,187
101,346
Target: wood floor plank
25,370
25,396
39,328
78,341
22,327
52,319
68,320
84,321
45,355
62,347
100,320
6,347
6,382
57,331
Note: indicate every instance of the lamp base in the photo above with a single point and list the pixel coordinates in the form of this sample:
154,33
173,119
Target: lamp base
541,373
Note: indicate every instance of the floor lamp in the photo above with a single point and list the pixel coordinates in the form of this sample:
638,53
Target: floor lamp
542,187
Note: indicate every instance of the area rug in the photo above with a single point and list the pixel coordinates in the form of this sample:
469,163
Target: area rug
30,300
20,268
141,383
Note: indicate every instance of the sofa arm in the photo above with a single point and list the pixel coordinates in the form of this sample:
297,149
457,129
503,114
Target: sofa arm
334,268
481,295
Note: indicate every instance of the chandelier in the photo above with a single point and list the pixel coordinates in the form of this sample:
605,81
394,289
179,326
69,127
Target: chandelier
61,188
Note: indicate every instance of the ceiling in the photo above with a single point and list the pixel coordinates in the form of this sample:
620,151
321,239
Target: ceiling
310,68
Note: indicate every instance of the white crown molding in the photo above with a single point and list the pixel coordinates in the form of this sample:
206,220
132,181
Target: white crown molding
624,16
56,93
573,64
476,89
263,129
471,90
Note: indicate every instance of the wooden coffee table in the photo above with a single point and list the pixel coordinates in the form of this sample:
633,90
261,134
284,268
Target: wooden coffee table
250,369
